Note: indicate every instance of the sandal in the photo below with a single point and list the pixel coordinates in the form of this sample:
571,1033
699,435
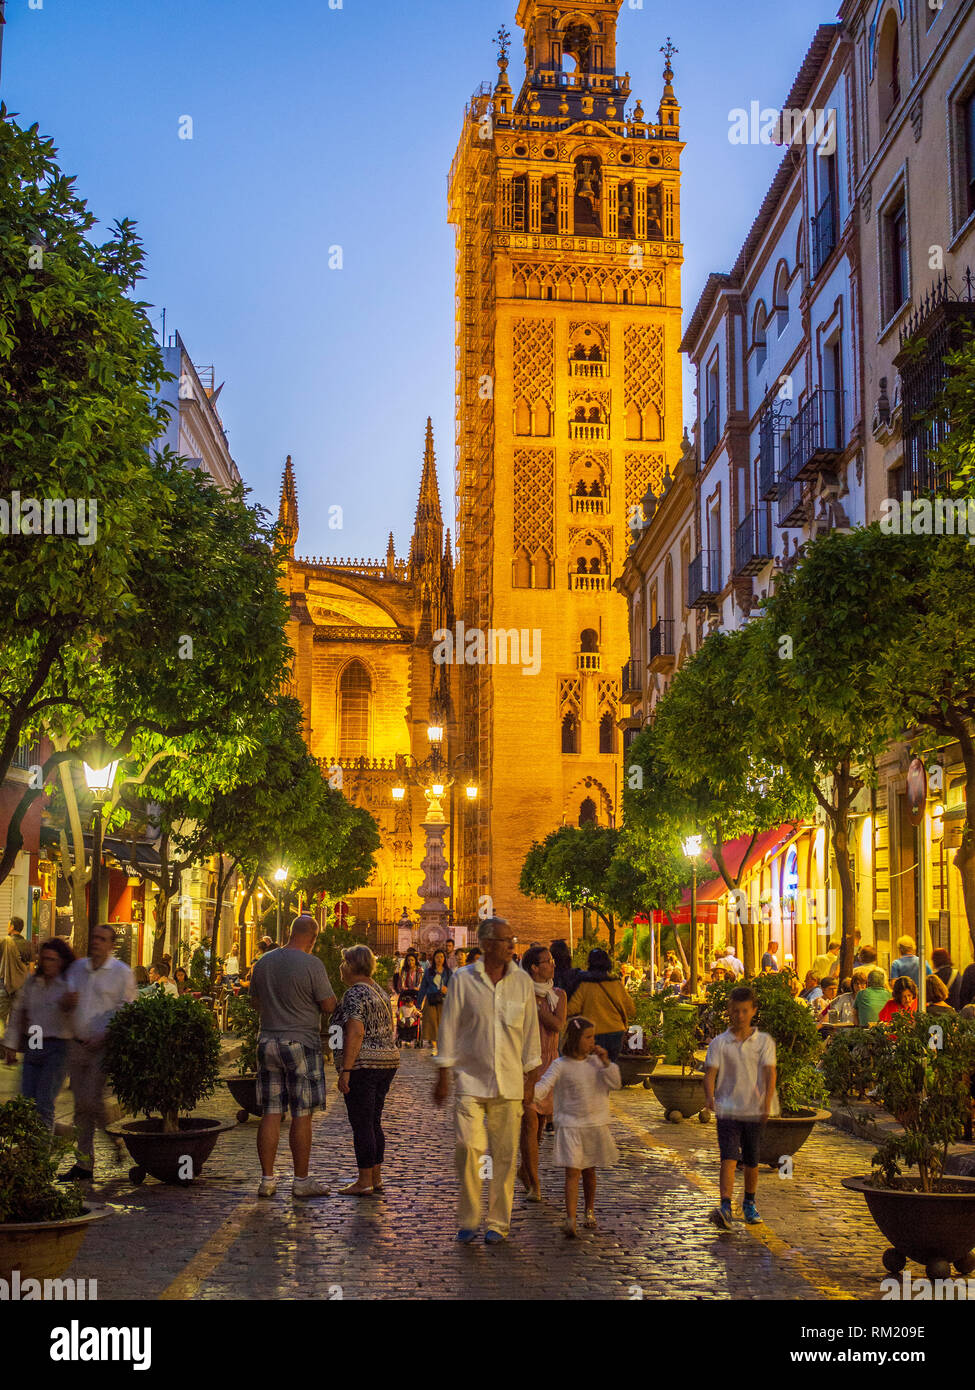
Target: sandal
353,1191
590,1221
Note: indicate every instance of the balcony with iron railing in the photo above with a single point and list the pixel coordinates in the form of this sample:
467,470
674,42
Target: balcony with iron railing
823,233
753,541
934,330
631,684
816,436
791,508
709,433
662,644
589,506
770,448
704,579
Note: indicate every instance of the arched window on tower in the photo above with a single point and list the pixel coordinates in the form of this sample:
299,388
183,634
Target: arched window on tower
607,734
570,733
587,812
588,191
355,694
888,67
589,640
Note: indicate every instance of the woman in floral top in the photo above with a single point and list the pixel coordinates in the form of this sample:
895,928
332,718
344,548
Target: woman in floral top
366,1063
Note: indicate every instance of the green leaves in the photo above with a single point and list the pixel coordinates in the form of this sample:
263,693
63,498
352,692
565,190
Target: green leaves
29,1158
162,1055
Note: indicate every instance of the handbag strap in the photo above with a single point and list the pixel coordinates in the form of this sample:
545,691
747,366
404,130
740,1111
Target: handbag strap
617,1005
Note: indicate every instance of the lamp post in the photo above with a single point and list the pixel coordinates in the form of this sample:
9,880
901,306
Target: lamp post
692,848
279,878
99,782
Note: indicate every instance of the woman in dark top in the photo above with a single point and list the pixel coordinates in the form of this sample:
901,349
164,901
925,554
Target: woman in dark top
431,998
949,976
366,1064
566,974
408,979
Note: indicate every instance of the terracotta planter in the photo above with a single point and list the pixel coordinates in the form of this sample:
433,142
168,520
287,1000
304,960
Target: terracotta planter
44,1249
174,1158
634,1069
934,1228
244,1091
785,1135
677,1092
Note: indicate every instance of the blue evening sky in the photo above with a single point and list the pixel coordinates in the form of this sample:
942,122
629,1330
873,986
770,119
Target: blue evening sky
315,127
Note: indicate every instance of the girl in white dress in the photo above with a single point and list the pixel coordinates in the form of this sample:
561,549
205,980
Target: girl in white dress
581,1079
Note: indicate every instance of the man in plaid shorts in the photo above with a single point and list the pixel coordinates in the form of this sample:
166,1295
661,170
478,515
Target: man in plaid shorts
290,989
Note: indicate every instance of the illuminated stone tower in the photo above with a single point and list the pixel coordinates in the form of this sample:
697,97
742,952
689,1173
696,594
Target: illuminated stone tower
566,206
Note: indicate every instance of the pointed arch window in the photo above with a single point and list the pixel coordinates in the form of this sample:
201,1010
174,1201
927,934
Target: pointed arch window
355,698
607,734
570,733
587,812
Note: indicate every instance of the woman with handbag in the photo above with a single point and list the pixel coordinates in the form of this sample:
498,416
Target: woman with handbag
600,996
366,1064
40,1027
431,998
551,1005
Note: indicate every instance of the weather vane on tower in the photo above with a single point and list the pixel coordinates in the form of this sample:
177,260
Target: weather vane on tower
668,50
503,40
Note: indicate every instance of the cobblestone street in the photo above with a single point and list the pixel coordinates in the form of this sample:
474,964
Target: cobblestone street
214,1240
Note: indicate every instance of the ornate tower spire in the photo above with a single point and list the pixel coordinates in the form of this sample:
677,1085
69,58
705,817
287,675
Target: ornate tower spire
668,113
288,508
427,543
584,33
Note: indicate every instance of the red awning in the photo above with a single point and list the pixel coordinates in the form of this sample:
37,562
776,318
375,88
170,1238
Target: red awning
766,843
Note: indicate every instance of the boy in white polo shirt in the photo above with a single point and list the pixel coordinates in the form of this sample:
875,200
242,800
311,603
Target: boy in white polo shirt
739,1086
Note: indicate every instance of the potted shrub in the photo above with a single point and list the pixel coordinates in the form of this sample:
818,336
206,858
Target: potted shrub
678,1086
799,1082
162,1057
244,1021
642,1046
925,1065
42,1221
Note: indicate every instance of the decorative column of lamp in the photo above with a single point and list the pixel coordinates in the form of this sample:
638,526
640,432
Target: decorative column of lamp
434,775
280,876
99,782
692,848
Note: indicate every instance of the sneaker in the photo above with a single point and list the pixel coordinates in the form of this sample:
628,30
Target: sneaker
77,1174
310,1187
750,1214
721,1217
464,1236
268,1187
494,1238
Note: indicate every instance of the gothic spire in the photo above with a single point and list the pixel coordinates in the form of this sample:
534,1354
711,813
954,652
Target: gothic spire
288,508
427,543
428,506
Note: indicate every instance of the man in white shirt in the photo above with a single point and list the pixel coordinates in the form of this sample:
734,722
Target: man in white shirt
489,1038
829,962
732,963
98,987
159,976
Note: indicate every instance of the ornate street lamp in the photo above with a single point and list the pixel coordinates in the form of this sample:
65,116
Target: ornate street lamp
692,848
99,782
280,875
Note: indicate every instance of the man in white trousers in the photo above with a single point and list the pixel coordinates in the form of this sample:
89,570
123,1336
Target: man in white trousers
489,1039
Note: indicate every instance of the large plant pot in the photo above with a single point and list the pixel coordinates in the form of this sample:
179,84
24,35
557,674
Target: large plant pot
785,1135
934,1228
634,1069
244,1091
44,1249
165,1156
678,1092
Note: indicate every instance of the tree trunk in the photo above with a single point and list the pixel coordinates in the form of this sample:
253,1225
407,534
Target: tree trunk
749,938
223,878
74,866
171,1122
843,793
965,853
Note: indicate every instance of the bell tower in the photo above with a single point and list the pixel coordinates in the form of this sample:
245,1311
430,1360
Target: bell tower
566,204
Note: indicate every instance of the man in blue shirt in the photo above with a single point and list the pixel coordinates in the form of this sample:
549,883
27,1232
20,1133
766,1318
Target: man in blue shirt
908,963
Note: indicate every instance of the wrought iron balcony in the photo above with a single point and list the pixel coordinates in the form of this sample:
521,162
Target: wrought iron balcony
753,541
704,579
662,643
791,509
823,233
770,429
934,330
816,437
709,433
631,685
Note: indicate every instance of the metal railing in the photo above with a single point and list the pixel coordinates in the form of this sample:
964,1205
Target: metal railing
662,639
630,683
753,541
709,432
703,578
816,436
823,233
770,430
